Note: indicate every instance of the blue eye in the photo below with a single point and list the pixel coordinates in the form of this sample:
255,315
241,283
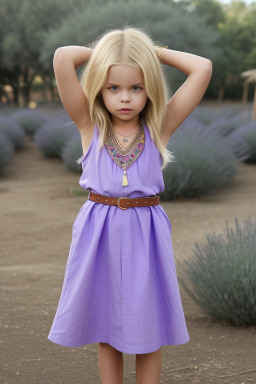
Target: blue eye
113,86
136,88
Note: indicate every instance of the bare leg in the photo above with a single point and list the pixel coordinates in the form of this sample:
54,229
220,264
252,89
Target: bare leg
111,364
148,367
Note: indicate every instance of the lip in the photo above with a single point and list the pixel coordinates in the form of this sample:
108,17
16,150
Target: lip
125,110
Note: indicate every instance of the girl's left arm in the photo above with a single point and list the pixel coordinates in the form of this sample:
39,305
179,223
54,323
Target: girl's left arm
187,97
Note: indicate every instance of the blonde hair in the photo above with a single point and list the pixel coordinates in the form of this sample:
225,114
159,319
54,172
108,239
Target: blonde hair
133,47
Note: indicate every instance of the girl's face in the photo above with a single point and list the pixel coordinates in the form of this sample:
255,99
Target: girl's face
124,93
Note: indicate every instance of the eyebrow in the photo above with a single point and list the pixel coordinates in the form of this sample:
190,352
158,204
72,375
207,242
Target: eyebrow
118,84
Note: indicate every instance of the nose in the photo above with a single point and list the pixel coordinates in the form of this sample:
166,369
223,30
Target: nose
125,97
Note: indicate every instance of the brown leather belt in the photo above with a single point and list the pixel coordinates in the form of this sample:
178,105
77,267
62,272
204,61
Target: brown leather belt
124,202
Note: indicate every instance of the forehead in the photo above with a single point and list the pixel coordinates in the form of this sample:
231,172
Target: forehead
125,74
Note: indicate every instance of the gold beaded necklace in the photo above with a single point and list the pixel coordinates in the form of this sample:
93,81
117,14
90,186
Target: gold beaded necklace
125,157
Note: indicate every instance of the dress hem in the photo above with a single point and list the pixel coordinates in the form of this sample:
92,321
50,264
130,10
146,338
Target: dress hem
124,349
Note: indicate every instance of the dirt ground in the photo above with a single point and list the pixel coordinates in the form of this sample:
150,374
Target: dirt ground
38,208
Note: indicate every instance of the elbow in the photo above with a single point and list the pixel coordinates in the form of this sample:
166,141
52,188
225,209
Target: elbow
57,57
58,52
208,65
207,68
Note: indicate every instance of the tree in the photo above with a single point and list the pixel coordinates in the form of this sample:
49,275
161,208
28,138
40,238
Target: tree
22,27
237,42
165,22
210,10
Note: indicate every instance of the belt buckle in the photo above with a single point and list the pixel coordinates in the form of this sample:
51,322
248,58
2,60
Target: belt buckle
120,199
89,193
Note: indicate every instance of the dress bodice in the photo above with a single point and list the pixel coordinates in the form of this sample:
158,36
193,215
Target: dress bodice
102,175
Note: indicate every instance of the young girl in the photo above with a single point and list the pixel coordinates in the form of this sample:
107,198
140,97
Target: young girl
120,287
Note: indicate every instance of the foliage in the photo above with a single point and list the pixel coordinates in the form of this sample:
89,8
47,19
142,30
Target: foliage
13,131
220,276
72,150
227,111
226,126
30,31
22,27
6,150
205,115
237,43
247,133
53,136
240,146
165,22
205,161
30,120
152,17
211,10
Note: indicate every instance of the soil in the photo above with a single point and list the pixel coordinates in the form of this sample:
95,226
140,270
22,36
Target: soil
38,208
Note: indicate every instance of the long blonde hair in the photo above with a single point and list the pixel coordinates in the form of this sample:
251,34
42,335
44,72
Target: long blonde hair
133,47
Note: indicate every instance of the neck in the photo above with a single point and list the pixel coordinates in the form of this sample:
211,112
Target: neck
125,132
125,126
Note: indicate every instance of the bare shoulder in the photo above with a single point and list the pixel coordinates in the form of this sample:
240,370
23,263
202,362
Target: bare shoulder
86,133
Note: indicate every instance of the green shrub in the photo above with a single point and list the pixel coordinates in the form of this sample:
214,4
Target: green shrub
220,277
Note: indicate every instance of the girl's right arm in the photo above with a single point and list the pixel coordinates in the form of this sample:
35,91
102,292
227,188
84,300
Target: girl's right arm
65,61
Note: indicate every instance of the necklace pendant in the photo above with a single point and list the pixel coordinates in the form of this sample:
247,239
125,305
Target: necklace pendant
125,140
125,180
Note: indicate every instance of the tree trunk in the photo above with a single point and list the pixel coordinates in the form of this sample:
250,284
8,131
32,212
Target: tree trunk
221,94
23,96
51,87
25,82
15,95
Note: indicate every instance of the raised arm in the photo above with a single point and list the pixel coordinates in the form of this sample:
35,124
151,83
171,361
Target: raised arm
65,61
187,97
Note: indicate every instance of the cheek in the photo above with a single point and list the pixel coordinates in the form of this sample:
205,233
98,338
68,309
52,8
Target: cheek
143,100
110,101
106,99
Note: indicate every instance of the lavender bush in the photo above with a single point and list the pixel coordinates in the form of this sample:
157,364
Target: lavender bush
71,152
240,146
6,150
53,136
220,276
205,115
205,161
227,126
247,133
30,120
228,111
13,131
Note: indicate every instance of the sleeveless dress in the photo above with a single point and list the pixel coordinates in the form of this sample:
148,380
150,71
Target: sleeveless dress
120,285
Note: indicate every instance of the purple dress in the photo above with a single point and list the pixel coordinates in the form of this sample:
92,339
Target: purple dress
120,285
